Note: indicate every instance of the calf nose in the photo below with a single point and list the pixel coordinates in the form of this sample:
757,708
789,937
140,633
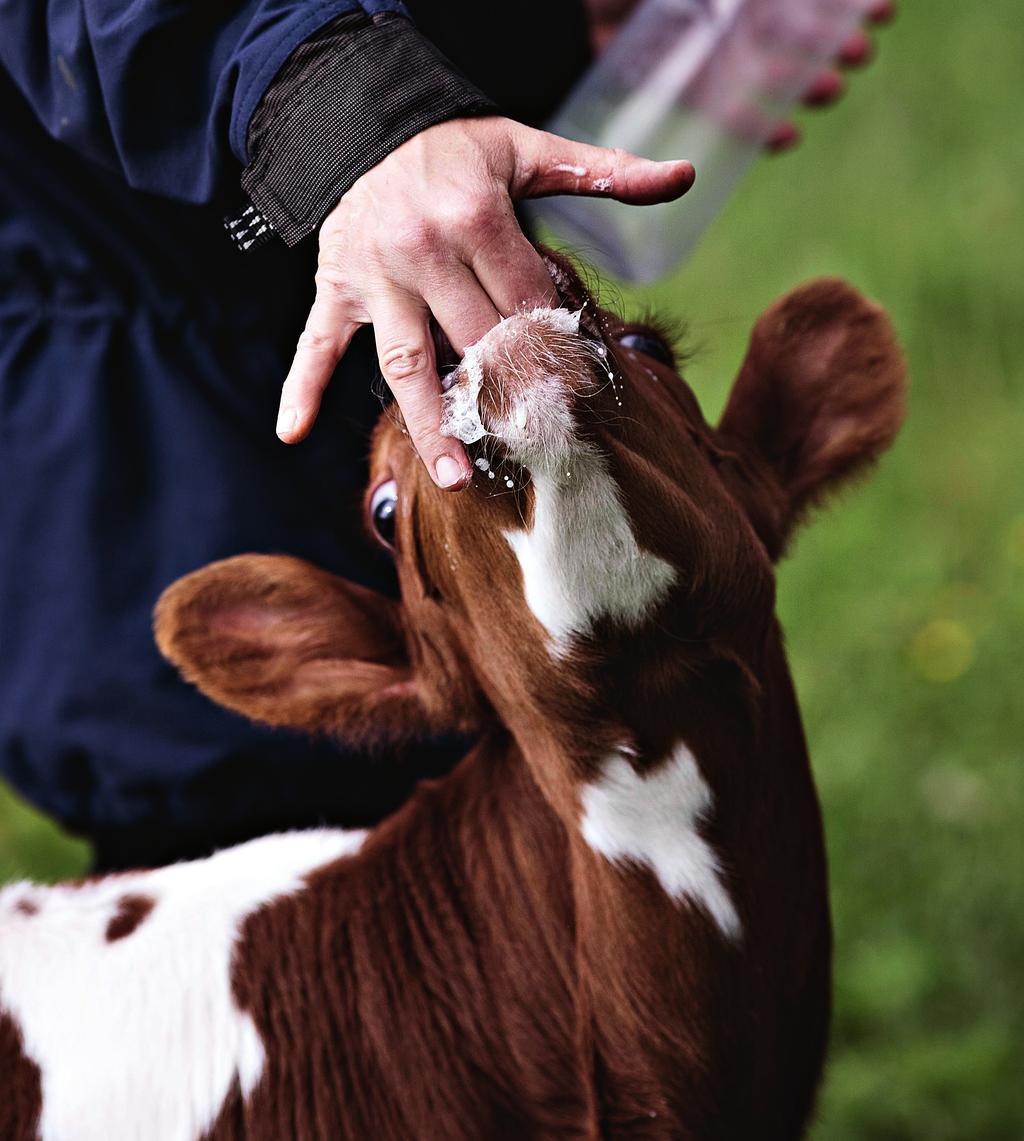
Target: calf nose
520,383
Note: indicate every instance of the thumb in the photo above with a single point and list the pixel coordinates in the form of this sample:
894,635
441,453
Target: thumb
547,164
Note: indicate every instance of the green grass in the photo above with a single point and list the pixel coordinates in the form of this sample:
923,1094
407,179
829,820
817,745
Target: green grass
904,604
33,847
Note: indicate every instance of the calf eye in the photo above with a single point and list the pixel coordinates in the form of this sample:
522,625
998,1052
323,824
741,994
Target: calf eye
383,504
648,344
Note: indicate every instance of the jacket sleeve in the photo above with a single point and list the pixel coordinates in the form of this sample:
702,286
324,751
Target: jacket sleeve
160,91
343,100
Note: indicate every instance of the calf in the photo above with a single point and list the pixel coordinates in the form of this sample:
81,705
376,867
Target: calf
610,919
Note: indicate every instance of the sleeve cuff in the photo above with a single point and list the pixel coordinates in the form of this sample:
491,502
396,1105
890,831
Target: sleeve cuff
340,104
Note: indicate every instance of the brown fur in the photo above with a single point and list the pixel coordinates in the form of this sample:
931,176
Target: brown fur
21,1087
820,396
477,970
131,911
484,974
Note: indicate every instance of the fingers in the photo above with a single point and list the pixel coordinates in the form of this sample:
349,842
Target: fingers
857,50
406,354
513,273
547,164
825,89
461,307
321,345
783,138
828,86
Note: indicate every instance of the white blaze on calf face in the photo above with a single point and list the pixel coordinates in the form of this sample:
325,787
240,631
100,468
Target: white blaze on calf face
580,559
654,820
141,1037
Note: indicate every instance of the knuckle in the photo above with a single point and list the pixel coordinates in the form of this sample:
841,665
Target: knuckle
414,237
527,164
316,343
404,362
332,286
476,218
332,263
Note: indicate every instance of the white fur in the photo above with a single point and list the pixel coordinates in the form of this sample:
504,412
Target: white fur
580,560
460,405
140,1039
654,820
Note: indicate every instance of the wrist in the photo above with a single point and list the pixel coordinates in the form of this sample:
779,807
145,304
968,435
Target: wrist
341,104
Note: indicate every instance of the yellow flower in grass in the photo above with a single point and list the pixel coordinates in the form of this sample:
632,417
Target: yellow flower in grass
942,650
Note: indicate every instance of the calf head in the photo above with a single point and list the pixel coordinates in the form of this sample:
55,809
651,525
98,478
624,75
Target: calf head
611,540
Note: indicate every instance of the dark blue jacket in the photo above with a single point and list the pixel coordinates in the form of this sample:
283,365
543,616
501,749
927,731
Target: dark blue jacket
141,359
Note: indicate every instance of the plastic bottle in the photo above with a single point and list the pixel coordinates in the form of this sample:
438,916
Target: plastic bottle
704,80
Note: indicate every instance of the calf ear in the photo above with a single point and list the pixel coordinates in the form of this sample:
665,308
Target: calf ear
289,645
820,395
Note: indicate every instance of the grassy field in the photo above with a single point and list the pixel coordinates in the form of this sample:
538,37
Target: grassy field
905,603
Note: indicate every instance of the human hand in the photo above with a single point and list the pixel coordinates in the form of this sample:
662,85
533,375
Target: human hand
830,85
606,17
430,230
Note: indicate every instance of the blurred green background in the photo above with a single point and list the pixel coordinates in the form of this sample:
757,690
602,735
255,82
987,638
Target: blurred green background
904,603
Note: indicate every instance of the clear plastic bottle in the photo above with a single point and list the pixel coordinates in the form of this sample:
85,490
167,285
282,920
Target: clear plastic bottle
704,80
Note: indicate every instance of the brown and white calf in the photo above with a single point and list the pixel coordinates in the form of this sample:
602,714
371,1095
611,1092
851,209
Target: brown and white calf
611,919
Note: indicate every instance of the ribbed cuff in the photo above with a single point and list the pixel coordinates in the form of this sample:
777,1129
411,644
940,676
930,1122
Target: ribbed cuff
341,103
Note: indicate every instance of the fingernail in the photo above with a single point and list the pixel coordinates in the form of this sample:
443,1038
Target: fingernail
286,421
681,166
448,471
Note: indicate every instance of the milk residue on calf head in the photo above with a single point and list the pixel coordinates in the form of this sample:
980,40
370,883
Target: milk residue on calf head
521,358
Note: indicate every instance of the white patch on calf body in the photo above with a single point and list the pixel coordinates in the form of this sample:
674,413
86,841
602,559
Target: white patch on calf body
140,1038
654,820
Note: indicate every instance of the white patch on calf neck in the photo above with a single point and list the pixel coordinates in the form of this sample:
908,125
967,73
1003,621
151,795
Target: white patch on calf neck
653,820
141,1037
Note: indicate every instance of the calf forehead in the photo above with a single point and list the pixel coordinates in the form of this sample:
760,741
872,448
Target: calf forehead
122,990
